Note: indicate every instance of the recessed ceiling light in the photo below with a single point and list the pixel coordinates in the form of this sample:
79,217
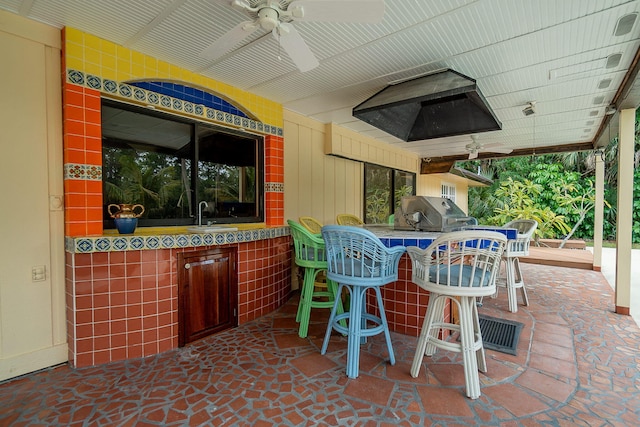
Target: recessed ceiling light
593,113
598,100
590,122
613,60
625,24
604,83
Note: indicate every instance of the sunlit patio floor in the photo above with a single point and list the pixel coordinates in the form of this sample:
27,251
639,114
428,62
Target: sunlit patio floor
577,364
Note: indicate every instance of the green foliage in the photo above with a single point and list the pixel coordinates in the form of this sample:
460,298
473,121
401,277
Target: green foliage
518,200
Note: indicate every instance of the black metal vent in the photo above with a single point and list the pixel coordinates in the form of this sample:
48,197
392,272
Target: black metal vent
434,106
499,334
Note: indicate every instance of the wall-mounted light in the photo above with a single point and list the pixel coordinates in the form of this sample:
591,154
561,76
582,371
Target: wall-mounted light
611,109
529,109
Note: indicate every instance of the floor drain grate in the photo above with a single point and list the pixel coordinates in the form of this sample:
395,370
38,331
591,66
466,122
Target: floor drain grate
500,334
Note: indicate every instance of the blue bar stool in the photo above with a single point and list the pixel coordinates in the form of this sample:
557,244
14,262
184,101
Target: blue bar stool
358,261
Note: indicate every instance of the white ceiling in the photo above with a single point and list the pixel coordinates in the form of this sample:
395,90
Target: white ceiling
553,52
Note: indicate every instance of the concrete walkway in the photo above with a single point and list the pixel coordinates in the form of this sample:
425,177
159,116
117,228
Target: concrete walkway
609,272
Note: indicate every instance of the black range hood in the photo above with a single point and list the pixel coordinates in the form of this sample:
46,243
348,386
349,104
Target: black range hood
434,106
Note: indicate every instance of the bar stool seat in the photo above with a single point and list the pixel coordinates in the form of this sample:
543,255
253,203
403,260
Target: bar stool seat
358,262
457,266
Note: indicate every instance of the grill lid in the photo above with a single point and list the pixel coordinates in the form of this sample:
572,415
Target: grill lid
438,105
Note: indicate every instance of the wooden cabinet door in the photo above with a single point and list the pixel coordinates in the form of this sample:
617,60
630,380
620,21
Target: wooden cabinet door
207,293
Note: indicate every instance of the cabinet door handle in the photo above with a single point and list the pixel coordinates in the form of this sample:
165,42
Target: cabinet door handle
187,266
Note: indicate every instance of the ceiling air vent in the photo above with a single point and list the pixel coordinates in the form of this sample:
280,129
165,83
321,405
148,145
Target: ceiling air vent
625,24
434,106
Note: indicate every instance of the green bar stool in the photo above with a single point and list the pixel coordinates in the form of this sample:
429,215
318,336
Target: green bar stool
310,255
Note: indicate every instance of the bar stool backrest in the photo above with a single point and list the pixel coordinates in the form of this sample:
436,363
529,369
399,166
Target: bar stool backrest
309,248
460,263
520,246
348,219
357,257
311,224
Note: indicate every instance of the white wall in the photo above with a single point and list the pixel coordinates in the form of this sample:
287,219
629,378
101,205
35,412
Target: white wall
32,312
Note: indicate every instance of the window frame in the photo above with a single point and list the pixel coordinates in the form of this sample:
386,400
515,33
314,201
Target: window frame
194,124
392,179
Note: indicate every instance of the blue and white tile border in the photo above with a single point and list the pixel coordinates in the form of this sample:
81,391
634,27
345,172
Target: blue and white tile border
123,90
120,243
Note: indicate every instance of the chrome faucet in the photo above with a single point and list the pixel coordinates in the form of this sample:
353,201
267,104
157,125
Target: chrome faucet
206,205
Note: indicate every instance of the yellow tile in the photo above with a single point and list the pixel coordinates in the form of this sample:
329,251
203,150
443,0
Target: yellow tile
109,73
74,63
94,69
123,66
108,61
92,42
163,69
137,70
123,53
72,34
108,47
92,56
74,50
151,65
137,58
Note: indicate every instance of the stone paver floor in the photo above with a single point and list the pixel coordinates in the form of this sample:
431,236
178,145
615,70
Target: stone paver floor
577,365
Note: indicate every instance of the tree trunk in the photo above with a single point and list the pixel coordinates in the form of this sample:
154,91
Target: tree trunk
573,230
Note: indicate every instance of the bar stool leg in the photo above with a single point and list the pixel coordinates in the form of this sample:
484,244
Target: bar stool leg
383,319
511,285
467,341
520,280
355,330
428,329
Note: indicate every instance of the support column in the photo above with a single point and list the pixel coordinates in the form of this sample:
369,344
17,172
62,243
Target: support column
599,212
624,221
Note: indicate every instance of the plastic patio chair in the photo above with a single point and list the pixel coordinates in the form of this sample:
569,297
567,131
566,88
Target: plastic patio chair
516,248
457,266
311,224
310,255
358,261
348,219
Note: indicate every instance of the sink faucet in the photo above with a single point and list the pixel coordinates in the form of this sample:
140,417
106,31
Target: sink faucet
206,205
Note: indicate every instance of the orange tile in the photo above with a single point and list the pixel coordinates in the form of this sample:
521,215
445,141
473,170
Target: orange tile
94,187
74,142
73,214
73,98
74,127
74,156
93,130
93,229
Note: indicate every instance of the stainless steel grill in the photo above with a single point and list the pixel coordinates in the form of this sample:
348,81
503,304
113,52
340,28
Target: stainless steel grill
423,213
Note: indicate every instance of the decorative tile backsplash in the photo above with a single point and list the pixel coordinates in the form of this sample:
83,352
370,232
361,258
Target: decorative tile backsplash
82,172
120,243
274,187
179,105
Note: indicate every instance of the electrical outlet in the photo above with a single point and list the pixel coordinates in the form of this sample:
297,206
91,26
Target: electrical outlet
39,273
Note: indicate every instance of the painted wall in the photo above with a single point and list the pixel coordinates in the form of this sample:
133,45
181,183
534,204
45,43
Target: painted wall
32,317
322,186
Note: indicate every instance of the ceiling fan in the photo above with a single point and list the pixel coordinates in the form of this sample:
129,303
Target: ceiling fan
277,16
475,147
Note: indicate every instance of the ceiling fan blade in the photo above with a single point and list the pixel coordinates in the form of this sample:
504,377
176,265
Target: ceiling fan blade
500,150
292,42
367,11
225,43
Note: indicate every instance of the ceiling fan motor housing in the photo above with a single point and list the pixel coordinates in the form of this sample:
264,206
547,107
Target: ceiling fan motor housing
268,18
